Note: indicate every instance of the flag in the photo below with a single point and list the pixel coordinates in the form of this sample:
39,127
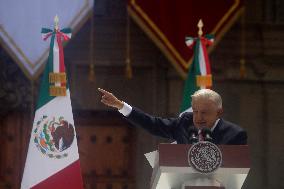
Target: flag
199,75
53,160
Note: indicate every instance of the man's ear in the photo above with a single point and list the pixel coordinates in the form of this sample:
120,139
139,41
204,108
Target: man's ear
220,112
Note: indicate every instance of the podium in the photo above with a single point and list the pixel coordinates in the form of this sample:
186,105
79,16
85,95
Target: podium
172,169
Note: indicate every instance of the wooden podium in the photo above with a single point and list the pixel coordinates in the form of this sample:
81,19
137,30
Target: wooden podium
173,171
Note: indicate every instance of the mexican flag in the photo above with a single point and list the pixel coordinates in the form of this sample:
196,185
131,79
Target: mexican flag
199,75
53,160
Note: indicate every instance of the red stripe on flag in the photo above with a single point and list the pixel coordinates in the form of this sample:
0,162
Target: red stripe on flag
69,177
61,54
207,63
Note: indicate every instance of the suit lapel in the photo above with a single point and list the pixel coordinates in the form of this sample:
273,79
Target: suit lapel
216,134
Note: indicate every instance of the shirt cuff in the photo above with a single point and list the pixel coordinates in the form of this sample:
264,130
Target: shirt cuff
126,109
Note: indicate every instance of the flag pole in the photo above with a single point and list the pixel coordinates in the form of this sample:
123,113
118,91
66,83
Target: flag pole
200,26
56,22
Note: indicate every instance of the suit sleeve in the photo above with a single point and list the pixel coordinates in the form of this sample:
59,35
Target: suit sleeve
163,127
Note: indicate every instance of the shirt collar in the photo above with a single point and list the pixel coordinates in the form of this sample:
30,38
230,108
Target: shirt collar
215,124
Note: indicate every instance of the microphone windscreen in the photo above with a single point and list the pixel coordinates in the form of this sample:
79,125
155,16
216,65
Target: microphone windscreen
193,130
206,131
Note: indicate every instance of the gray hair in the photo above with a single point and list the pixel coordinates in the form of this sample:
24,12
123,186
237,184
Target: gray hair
208,94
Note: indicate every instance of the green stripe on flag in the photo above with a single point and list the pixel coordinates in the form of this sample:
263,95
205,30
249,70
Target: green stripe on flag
44,96
45,30
66,30
50,56
209,36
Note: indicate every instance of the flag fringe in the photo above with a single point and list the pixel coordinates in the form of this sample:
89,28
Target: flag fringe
204,80
57,77
57,91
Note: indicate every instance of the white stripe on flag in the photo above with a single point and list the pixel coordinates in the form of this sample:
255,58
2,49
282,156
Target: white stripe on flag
201,59
56,58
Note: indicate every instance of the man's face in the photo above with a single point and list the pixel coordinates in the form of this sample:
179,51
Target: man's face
205,112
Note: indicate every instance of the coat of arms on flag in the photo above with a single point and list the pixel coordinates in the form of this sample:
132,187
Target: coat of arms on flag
53,158
52,136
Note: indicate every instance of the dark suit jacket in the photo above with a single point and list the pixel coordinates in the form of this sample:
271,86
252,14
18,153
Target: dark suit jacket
177,128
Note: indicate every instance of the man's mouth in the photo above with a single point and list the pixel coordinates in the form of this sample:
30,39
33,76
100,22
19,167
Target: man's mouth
201,124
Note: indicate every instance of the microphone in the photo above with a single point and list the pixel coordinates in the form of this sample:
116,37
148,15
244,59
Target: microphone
206,133
193,135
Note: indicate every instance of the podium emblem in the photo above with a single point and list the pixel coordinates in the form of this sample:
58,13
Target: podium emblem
204,157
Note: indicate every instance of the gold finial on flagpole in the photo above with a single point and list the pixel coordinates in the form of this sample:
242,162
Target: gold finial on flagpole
56,21
200,25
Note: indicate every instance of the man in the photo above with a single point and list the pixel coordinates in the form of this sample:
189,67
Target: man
207,111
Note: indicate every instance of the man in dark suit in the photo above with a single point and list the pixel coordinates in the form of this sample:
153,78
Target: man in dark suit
206,113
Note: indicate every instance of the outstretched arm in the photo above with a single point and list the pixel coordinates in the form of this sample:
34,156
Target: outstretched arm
110,100
155,125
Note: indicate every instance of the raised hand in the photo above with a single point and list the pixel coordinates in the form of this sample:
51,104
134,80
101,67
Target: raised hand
110,100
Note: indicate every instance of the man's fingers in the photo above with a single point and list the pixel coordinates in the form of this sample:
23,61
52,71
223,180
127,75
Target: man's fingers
104,91
106,102
105,97
108,98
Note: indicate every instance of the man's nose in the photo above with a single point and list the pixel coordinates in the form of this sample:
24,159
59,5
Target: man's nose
199,116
